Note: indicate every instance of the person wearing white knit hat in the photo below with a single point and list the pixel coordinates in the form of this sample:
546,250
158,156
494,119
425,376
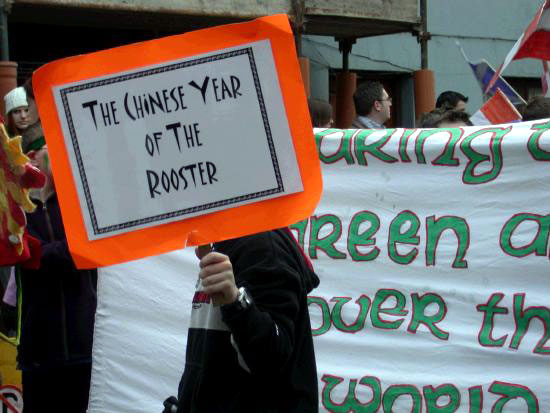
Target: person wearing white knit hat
17,111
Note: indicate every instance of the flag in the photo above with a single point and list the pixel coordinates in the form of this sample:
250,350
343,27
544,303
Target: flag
484,72
495,111
534,42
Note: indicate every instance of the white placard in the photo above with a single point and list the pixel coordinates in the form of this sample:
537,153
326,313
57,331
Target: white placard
179,139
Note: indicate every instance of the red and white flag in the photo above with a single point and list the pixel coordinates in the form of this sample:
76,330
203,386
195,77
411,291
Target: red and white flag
534,42
495,111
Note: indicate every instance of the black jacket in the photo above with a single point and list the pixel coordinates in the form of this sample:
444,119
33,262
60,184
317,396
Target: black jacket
58,301
261,359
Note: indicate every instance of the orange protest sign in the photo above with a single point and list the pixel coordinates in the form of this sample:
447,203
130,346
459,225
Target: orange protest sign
179,141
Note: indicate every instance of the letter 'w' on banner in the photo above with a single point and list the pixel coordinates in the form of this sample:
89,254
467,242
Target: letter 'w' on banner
179,141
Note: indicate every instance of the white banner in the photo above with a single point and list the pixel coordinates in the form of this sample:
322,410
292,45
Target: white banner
432,250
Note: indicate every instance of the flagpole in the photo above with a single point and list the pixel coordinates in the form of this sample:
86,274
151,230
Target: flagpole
462,51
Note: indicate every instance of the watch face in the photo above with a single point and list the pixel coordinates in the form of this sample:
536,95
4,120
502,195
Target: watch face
246,300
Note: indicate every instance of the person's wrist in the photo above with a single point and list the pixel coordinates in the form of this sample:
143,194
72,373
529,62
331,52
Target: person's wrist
242,302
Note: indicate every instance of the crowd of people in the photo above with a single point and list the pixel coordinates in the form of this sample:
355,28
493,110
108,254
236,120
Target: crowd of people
373,104
251,291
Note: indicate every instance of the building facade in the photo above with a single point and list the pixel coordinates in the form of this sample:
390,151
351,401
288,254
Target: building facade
486,29
382,33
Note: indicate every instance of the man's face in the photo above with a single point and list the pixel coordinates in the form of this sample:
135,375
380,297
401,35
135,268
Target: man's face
385,106
460,105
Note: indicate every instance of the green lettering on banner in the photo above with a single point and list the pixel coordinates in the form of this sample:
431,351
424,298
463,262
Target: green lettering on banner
344,150
489,310
330,384
393,392
447,157
511,391
419,306
403,145
476,399
350,403
539,245
381,296
365,238
408,237
325,315
301,227
360,147
359,323
431,395
475,158
533,144
523,319
325,244
434,229
419,144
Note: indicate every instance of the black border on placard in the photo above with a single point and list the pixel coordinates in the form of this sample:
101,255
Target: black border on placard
64,92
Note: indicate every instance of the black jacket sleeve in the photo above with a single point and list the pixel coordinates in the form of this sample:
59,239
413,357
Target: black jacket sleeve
46,225
265,332
56,253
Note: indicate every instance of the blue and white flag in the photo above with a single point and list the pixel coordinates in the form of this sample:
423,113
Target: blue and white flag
484,72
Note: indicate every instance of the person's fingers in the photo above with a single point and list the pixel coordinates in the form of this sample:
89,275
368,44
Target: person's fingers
223,287
216,273
212,258
215,268
223,292
217,278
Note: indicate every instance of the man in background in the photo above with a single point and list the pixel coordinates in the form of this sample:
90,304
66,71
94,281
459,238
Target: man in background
320,112
439,118
538,107
450,100
372,105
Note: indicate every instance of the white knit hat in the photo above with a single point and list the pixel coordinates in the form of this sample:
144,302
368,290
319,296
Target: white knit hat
15,99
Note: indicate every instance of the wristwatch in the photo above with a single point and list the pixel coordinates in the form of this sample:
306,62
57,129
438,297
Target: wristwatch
243,301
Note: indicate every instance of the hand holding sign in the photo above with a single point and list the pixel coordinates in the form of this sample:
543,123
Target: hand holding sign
179,140
217,278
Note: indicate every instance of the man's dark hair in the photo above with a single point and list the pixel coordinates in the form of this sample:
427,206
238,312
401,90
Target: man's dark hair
537,108
430,119
449,99
320,112
366,94
454,116
437,116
